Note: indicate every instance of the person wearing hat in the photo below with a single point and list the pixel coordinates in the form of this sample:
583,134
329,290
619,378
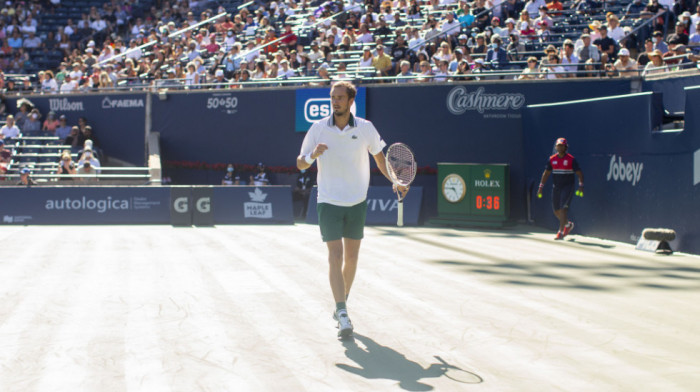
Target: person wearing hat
561,167
70,83
625,66
32,126
24,179
587,51
656,65
683,60
544,18
658,39
10,130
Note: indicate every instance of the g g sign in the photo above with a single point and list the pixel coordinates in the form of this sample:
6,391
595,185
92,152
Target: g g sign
315,104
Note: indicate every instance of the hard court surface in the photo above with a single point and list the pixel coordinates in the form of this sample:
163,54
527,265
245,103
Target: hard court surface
248,308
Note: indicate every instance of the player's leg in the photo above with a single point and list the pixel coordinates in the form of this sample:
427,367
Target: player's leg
353,232
351,249
557,207
336,271
567,197
330,221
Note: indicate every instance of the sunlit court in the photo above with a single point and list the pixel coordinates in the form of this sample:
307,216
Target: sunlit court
238,308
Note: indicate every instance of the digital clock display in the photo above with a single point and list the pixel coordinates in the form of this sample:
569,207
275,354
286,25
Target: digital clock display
488,202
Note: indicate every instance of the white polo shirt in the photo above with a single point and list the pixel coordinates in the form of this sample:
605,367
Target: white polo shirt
343,169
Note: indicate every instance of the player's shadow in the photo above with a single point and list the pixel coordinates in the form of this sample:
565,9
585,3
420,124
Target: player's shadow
381,362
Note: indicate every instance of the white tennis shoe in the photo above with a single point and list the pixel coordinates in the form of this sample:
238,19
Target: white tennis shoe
344,323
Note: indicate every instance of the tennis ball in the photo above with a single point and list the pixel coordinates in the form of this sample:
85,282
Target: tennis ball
539,195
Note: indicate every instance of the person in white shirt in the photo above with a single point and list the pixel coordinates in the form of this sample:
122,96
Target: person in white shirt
70,83
695,21
341,143
9,130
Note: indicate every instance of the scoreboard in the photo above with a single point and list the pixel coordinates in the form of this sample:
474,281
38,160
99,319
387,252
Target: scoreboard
473,194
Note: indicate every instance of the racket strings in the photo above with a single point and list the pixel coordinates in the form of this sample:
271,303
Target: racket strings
401,164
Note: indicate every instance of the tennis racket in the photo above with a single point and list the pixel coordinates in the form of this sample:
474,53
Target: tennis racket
401,166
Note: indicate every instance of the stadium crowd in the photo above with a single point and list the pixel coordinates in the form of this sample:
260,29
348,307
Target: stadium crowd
74,45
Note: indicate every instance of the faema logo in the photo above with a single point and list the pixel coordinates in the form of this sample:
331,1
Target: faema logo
256,207
626,172
318,108
101,206
459,100
64,105
121,103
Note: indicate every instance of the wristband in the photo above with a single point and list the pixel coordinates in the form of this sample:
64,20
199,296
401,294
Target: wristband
580,184
308,159
541,185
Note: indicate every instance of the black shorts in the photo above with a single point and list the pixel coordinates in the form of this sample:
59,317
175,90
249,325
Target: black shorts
561,197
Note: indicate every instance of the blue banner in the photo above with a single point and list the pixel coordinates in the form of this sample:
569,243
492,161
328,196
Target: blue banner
253,205
382,206
315,104
118,120
85,205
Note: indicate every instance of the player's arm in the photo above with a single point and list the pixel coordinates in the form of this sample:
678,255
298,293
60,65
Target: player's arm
304,161
579,173
545,176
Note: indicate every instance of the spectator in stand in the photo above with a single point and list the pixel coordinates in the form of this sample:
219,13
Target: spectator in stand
66,167
695,21
50,124
32,126
658,39
261,176
25,107
656,64
231,177
625,66
606,45
88,173
450,27
568,59
643,57
531,72
515,47
684,61
382,62
48,82
63,129
615,31
24,179
32,41
679,36
405,75
544,17
497,57
9,130
587,51
73,138
70,83
5,157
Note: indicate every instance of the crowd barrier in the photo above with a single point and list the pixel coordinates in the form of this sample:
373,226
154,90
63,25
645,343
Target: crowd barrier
634,177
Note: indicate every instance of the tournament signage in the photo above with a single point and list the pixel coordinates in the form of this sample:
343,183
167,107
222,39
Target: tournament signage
382,206
315,104
473,194
84,205
253,204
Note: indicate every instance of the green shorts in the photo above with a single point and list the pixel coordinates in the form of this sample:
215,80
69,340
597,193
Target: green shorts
338,222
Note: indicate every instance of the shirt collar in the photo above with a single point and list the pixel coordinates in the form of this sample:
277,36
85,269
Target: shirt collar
351,122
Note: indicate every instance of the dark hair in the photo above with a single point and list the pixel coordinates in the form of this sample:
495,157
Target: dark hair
349,87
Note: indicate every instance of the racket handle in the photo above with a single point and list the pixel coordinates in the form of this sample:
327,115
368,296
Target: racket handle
399,222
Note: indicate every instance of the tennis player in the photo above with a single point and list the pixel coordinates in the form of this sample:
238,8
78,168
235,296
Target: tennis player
340,143
562,167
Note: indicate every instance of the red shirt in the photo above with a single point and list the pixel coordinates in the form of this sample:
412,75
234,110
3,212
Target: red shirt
563,169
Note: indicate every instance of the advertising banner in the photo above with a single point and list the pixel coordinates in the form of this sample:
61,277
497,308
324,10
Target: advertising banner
118,120
315,104
382,206
85,205
253,205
